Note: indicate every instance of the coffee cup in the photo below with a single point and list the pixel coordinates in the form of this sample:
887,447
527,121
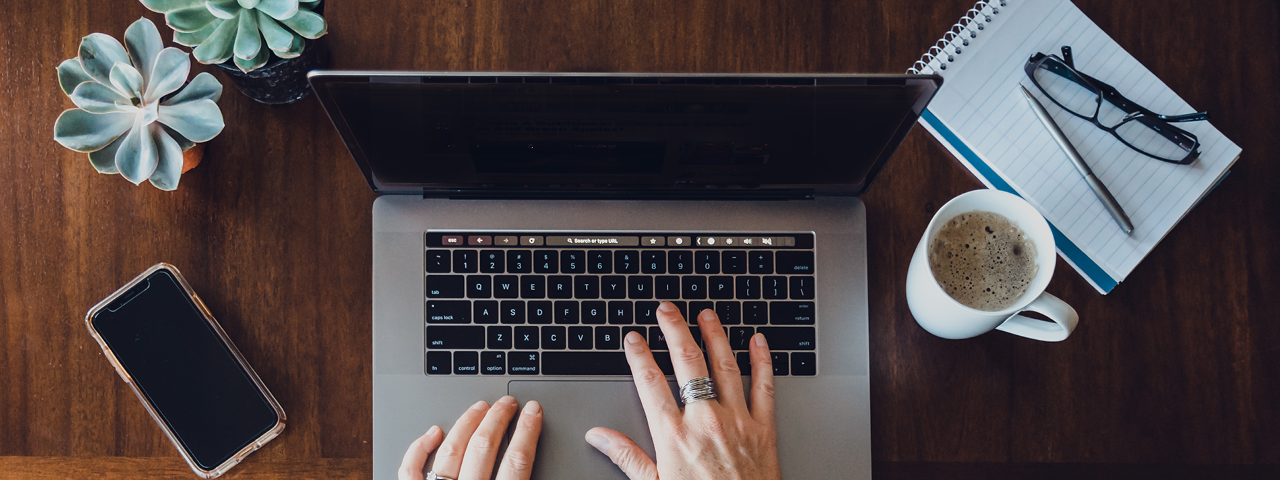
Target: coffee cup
943,315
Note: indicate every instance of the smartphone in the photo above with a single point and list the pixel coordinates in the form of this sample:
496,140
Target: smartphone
165,344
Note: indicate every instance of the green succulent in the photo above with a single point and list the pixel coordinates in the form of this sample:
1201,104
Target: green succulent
135,116
220,30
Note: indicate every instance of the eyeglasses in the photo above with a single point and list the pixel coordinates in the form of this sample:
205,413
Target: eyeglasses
1143,130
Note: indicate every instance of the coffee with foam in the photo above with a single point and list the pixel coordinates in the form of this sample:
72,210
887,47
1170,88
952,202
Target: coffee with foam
983,260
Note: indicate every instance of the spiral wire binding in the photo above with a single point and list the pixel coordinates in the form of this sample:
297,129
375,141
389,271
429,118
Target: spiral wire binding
957,38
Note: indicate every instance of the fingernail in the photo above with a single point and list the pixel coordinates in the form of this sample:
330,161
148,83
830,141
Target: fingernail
481,405
507,399
633,338
599,441
432,430
760,340
667,307
532,408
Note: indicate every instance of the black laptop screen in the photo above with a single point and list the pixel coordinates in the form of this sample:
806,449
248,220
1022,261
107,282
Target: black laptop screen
411,135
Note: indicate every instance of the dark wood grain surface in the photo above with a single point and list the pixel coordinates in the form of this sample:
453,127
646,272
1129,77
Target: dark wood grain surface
1174,374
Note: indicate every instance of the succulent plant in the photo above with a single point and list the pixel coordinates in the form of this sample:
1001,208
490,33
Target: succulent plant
247,31
135,116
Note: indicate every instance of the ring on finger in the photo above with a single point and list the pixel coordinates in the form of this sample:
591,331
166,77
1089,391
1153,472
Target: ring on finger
432,475
696,389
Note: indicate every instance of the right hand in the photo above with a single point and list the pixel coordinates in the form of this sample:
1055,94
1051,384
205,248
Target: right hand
719,438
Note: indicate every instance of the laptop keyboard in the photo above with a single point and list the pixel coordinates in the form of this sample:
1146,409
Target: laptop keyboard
559,303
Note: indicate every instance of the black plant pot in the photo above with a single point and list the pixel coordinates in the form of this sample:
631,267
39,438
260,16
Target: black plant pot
281,80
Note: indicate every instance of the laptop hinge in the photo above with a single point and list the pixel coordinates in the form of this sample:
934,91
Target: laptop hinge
548,194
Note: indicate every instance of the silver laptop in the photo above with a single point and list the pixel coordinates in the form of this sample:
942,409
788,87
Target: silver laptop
530,220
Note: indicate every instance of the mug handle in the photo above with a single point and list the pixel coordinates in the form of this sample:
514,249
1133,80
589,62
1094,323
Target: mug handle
1064,320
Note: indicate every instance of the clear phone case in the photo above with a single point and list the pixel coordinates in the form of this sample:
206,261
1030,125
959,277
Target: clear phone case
204,311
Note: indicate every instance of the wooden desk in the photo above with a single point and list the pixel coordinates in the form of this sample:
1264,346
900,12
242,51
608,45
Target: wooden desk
1175,374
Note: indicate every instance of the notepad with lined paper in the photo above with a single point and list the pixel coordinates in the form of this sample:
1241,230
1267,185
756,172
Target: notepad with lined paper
981,117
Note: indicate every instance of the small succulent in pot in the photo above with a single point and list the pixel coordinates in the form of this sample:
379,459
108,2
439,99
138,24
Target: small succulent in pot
137,113
245,31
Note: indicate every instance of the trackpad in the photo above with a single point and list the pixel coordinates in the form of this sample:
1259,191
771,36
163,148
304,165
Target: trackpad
570,408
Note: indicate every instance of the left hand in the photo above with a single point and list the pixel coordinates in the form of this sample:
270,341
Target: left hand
469,451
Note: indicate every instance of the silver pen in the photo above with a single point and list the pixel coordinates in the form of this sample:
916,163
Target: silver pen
1099,189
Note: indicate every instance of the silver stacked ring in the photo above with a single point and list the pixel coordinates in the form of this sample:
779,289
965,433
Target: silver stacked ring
432,475
700,388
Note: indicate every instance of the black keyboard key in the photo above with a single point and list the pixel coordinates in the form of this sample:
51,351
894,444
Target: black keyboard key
801,288
553,338
730,313
775,288
696,308
780,363
492,261
693,287
646,313
448,311
626,261
760,262
573,261
586,286
620,313
707,262
792,313
519,261
789,338
566,312
599,261
744,362
720,288
466,363
748,288
733,261
580,338
479,286
506,286
657,339
607,338
465,261
680,262
740,338
593,313
533,286
663,359
559,286
795,263
493,363
512,311
755,313
613,286
522,363
804,363
499,338
545,261
683,307
639,287
585,363
643,331
438,261
455,337
485,312
526,338
444,286
666,287
697,335
439,363
653,262
539,312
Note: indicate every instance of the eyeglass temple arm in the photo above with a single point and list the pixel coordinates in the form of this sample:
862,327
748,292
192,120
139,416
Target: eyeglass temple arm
1067,58
1112,95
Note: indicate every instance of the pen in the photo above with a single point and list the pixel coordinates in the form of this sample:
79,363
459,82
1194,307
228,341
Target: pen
1099,189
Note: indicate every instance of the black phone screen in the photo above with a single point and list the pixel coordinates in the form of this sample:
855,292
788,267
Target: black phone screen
183,367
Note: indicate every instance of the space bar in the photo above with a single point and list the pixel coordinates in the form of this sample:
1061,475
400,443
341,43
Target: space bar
585,363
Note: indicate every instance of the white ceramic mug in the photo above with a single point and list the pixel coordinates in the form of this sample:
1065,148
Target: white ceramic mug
946,317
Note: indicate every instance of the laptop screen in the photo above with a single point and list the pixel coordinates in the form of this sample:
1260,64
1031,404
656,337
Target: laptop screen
458,132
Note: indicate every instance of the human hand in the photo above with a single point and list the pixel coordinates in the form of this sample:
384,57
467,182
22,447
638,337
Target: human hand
719,438
471,448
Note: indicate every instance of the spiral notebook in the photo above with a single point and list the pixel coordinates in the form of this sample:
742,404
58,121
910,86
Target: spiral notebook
980,116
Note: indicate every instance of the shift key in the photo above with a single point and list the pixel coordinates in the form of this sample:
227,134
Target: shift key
788,338
453,337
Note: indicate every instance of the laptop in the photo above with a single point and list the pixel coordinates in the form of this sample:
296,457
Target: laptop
528,221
